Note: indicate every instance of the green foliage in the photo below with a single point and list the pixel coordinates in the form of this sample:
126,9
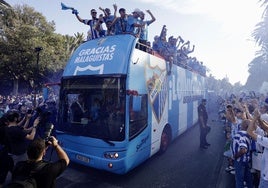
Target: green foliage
223,86
23,29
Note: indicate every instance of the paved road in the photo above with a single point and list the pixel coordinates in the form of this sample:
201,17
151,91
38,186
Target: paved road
184,165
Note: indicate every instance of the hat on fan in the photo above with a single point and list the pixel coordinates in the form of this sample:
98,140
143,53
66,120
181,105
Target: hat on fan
136,10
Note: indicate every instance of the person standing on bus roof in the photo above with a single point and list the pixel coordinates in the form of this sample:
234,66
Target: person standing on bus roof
95,24
144,30
108,19
133,24
119,23
202,120
107,14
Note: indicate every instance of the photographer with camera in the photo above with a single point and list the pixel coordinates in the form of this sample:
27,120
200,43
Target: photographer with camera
44,173
17,137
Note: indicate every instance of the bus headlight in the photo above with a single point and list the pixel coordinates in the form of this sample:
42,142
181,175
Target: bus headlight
111,155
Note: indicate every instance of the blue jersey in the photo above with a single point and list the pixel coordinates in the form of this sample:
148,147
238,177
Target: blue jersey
120,25
241,140
130,25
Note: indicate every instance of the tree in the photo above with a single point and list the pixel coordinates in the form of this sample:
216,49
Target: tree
258,75
259,65
24,29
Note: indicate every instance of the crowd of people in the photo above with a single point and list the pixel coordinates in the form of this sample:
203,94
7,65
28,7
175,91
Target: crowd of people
174,50
22,137
25,135
246,130
133,24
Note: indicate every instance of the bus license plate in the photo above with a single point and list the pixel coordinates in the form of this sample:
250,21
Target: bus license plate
82,158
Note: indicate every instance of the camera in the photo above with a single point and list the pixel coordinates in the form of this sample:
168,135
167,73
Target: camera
48,139
45,127
47,135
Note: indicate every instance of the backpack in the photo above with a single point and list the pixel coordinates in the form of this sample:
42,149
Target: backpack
26,181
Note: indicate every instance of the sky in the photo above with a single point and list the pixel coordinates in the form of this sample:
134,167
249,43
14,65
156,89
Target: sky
220,29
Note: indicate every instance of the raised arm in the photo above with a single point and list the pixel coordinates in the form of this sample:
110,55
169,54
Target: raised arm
184,44
253,126
115,18
32,134
190,51
180,41
103,10
230,116
60,152
115,10
152,17
79,18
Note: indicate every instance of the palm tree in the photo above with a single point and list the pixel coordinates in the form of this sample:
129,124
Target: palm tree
73,42
260,35
4,4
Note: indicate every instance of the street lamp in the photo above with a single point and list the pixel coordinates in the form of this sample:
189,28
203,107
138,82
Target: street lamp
37,50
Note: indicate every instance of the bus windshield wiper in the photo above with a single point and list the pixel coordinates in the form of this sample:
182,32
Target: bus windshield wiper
109,142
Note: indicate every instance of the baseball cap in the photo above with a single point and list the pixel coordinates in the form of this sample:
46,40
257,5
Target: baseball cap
136,10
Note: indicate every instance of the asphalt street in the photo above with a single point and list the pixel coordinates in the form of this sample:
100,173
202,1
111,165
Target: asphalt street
184,165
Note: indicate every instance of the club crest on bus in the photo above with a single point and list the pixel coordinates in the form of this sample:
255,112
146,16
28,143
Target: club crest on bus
157,89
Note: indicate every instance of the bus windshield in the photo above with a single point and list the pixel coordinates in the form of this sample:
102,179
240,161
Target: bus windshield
93,107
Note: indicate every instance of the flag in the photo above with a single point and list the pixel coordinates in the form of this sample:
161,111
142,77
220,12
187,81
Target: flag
64,7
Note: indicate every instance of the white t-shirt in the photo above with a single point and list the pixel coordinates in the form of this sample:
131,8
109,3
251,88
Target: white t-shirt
264,161
264,117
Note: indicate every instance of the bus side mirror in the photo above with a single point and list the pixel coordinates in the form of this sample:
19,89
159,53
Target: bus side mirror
136,103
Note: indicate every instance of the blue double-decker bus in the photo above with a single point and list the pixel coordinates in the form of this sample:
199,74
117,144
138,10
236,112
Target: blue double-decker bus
131,106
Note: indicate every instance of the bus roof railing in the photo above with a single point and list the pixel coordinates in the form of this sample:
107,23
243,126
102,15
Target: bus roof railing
181,63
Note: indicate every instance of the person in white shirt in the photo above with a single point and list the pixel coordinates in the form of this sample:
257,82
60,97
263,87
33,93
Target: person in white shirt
263,141
263,111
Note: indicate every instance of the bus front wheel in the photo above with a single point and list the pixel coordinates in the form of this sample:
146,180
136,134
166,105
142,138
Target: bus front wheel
165,140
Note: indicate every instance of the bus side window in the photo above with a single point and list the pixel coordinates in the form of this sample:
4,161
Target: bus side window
137,118
136,103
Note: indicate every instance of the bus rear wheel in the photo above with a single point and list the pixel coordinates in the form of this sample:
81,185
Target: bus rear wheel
165,140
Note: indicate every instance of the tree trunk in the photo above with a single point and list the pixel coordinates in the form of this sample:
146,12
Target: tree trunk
15,86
